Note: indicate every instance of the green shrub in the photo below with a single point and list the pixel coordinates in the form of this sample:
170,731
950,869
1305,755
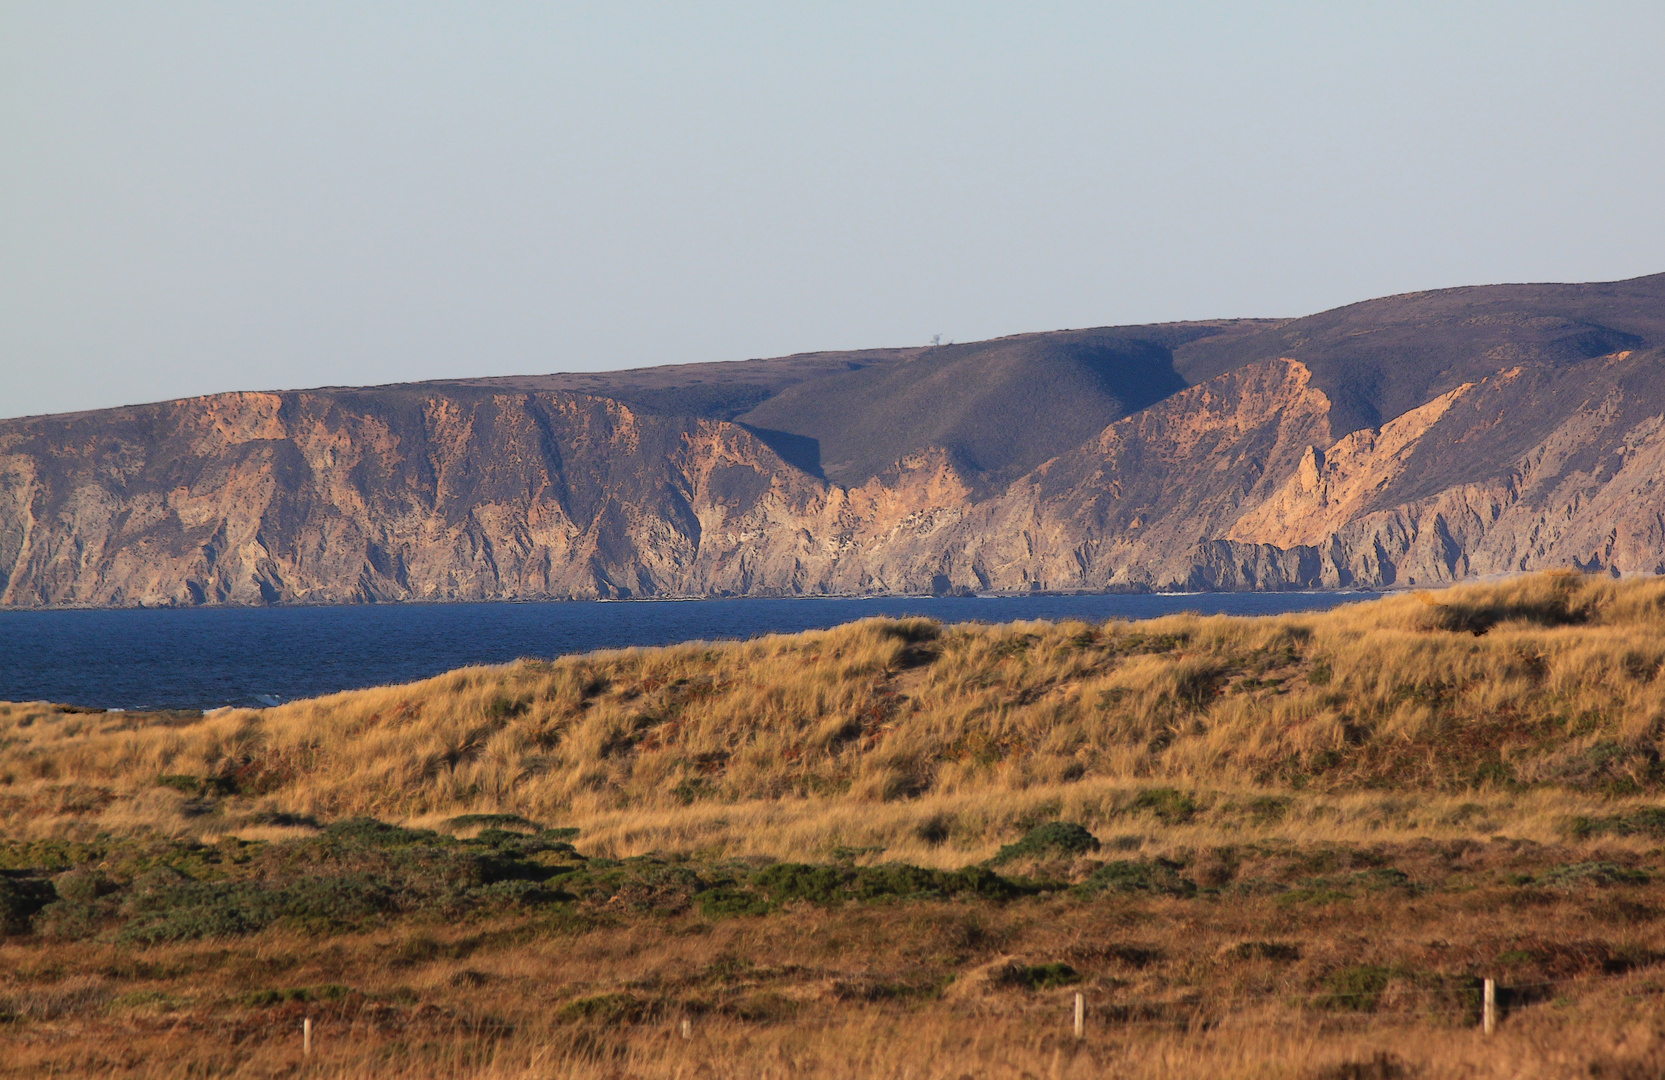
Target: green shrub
1357,988
82,883
519,892
642,884
846,854
1053,838
284,818
1591,873
145,999
617,1008
369,833
763,1007
495,837
1264,950
1046,976
502,708
1381,878
1329,890
20,898
75,920
48,856
1128,875
785,882
1648,821
326,992
1171,806
200,909
727,902
896,880
492,821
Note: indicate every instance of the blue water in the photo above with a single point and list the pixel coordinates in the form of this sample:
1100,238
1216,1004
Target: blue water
201,658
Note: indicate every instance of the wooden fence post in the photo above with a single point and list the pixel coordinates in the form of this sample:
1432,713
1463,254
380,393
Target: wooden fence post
687,1028
1488,1015
306,1037
1080,1015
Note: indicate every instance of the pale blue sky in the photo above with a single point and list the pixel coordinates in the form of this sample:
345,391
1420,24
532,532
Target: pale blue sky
203,197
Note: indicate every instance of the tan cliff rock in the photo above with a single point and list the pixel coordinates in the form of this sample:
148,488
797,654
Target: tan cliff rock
1330,487
474,492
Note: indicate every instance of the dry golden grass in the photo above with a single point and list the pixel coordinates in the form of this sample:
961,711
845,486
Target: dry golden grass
1463,740
858,991
859,735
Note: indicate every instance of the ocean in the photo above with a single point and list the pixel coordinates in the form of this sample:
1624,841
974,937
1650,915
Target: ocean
203,658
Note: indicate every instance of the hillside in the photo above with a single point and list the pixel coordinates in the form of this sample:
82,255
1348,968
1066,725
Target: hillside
1548,684
1414,439
1380,359
1287,847
997,408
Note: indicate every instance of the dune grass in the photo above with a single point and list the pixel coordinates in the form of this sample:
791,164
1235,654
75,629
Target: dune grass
1285,846
1522,699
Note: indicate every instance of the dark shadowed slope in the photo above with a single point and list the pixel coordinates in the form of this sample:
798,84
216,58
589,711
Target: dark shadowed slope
1381,358
998,408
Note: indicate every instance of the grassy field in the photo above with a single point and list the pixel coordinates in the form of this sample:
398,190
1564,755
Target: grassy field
1287,846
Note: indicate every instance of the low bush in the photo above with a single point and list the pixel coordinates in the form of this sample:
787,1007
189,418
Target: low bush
1139,875
82,883
1357,988
20,898
1046,976
1647,821
617,1008
509,822
202,909
642,884
762,1007
1053,838
1277,951
1591,873
1169,805
262,998
1329,889
728,902
785,882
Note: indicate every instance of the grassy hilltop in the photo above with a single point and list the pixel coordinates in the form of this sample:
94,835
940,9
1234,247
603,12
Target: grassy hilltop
1275,846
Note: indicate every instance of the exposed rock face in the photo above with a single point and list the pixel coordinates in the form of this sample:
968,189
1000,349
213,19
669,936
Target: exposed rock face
1435,496
1253,478
250,498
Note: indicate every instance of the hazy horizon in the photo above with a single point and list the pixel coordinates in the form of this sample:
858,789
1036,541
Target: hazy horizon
202,198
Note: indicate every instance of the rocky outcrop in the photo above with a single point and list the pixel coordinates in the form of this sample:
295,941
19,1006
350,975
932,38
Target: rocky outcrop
1252,479
1425,500
317,497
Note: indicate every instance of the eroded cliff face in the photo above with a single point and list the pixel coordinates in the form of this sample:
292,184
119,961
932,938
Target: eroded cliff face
1526,470
250,498
476,493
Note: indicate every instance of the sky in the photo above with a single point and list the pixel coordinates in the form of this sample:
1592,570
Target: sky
206,197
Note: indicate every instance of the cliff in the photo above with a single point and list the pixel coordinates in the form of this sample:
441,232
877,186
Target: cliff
1409,440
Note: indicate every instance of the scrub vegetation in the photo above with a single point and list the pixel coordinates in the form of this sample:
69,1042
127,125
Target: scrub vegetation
1285,846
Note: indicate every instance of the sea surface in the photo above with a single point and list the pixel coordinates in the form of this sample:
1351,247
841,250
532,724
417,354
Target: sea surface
203,658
